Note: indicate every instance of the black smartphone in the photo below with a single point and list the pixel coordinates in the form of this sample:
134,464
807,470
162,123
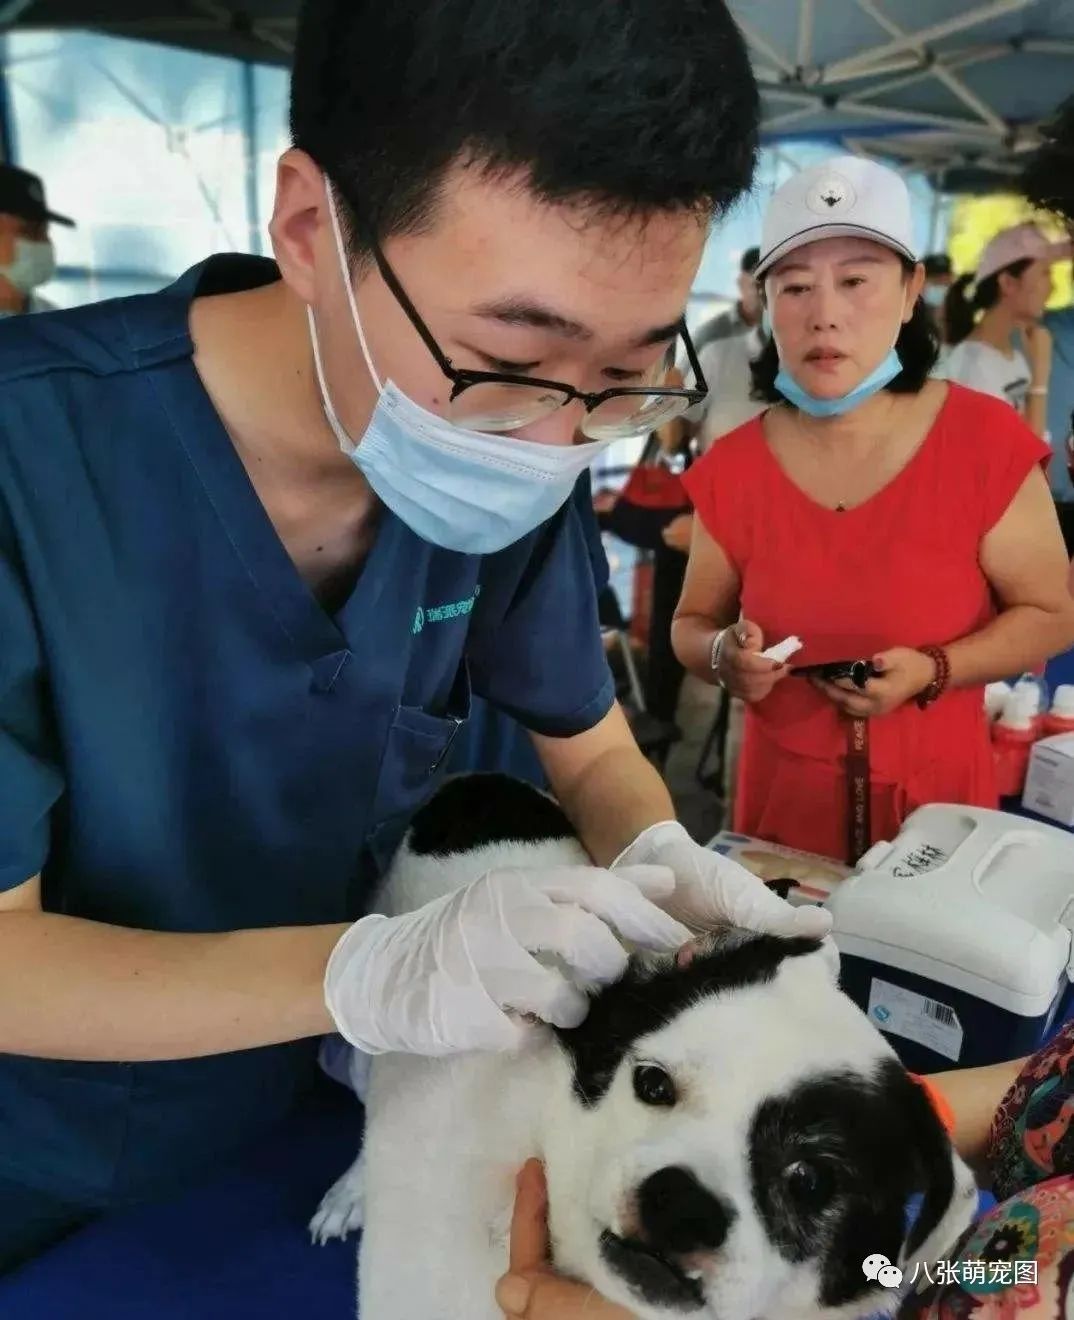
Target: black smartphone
858,671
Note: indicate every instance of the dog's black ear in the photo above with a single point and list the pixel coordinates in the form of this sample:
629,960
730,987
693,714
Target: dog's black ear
949,1191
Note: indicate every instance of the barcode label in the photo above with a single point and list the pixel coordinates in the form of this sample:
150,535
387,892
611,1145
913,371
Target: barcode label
940,1012
902,1012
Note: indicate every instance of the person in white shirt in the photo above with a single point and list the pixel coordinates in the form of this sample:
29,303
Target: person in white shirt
726,346
1011,288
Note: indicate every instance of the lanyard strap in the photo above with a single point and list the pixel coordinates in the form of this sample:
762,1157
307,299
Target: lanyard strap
859,831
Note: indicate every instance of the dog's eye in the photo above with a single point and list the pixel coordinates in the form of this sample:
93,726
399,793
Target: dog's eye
653,1086
810,1185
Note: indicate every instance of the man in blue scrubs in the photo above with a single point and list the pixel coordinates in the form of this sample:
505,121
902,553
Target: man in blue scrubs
262,536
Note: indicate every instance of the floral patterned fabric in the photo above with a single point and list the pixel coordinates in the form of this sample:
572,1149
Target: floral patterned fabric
1017,1261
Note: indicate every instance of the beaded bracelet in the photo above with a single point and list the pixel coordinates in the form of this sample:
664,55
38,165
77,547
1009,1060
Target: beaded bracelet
939,684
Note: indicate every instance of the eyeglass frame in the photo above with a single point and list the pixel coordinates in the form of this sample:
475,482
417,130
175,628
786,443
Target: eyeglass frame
463,378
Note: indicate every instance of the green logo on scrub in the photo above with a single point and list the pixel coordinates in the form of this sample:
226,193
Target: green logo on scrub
459,609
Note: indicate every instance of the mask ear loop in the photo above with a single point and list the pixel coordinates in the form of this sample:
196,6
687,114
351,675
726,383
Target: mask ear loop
344,270
331,416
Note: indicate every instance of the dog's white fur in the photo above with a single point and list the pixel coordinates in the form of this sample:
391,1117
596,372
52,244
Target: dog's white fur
445,1139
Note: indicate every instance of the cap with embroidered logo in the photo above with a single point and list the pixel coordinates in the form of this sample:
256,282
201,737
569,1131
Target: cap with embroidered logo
23,194
848,196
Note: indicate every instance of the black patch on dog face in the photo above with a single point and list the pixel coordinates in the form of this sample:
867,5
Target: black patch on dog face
679,1215
645,1000
651,1276
833,1164
475,810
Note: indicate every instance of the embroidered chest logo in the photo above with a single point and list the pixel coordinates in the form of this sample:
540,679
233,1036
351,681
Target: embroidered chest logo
458,609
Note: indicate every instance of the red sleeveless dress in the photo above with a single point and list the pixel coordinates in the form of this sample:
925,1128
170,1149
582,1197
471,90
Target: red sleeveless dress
899,570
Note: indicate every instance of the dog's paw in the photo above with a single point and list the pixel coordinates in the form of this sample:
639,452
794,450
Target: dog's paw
343,1209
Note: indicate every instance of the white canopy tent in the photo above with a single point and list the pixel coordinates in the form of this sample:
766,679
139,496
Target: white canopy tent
954,89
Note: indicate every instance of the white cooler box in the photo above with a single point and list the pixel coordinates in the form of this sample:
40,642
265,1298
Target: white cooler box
956,937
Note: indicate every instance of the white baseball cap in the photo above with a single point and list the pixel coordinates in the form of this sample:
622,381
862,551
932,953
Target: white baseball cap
845,196
1022,243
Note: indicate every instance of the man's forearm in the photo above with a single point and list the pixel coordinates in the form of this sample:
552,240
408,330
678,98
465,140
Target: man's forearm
73,989
618,797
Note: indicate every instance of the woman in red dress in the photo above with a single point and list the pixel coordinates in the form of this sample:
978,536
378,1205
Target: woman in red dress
876,514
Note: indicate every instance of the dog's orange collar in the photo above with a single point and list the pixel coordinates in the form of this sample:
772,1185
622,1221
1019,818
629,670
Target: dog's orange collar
940,1103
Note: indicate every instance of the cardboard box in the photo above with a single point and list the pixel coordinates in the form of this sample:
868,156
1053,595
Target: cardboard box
814,877
1049,789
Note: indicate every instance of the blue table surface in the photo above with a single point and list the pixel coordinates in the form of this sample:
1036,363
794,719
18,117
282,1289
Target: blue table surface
234,1248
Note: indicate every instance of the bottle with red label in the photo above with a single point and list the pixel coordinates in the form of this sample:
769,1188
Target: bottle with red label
1060,719
1013,736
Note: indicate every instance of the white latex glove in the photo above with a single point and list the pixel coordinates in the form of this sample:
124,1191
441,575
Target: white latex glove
713,891
439,980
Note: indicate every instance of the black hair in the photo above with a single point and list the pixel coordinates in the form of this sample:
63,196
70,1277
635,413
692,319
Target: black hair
633,106
750,258
918,346
937,263
1048,179
960,311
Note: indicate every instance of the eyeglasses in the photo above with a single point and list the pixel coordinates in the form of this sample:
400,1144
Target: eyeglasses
497,401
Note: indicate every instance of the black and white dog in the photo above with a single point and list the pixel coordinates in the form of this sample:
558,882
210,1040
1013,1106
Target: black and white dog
725,1136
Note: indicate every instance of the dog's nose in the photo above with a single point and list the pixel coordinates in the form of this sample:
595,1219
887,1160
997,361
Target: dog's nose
679,1215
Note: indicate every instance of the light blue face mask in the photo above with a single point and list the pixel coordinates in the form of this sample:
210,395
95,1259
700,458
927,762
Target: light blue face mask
876,380
935,294
462,490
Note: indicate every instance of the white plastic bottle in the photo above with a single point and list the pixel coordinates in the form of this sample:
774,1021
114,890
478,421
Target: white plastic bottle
1060,719
1013,736
996,696
1031,691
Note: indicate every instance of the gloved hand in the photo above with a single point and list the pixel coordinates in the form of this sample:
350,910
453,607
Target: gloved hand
439,980
712,891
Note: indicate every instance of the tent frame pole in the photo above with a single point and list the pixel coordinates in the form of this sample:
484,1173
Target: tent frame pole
862,64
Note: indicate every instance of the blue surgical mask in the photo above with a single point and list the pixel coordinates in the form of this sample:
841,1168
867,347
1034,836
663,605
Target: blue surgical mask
462,490
876,380
34,264
935,295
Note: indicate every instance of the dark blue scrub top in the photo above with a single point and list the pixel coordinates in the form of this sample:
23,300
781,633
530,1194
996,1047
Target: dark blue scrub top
188,741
